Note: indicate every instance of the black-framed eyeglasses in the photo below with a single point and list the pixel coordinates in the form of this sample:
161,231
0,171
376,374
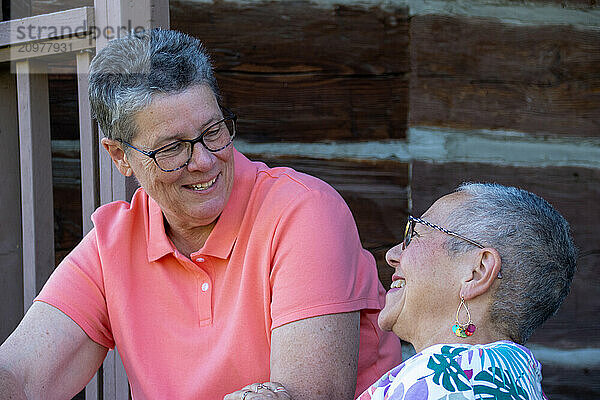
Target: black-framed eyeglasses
409,232
176,155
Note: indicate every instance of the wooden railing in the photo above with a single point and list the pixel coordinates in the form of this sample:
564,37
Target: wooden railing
27,46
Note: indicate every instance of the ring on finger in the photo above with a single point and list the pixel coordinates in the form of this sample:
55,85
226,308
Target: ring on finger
279,389
259,387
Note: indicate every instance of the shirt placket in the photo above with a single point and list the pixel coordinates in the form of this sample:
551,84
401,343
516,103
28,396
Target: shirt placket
204,290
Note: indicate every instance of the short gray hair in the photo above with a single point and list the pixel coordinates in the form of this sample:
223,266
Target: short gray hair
536,247
129,71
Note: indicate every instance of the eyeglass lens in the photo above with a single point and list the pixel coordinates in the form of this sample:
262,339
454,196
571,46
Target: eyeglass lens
214,138
408,233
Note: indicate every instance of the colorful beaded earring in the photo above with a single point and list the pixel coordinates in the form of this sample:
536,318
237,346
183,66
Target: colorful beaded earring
466,329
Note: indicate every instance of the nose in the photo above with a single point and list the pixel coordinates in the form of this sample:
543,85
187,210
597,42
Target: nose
393,255
202,159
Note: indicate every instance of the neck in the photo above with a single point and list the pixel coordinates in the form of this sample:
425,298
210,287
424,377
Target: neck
485,333
188,240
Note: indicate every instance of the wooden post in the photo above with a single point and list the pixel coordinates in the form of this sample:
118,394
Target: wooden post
88,142
11,284
118,18
36,177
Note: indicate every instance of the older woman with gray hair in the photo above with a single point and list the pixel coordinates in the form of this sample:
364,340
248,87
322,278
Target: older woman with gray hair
474,277
220,272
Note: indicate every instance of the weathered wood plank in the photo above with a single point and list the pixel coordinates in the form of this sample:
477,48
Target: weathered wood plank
11,283
160,15
334,72
56,48
88,136
316,107
479,73
78,21
303,37
111,15
115,381
575,193
36,177
568,109
376,192
115,15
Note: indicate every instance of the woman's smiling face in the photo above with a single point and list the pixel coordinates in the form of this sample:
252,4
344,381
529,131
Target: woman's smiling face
195,195
425,283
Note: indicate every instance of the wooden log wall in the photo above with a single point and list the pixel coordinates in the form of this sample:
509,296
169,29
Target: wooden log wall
329,88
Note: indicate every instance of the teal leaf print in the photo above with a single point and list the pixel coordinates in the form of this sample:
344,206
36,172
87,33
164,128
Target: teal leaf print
500,386
514,361
446,368
453,396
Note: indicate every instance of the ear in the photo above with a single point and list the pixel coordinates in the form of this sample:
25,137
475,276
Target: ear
484,273
118,156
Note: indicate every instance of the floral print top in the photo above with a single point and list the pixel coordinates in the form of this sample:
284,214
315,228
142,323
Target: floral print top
501,370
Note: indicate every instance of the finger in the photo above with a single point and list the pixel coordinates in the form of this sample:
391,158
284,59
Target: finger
274,386
257,387
278,389
263,394
247,394
240,394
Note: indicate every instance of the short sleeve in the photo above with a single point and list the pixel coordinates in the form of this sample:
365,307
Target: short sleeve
319,266
76,288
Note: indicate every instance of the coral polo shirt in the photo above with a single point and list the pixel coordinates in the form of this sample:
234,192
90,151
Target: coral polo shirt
285,248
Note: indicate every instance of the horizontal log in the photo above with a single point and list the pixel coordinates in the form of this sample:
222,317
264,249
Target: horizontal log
575,193
316,107
560,383
376,193
298,36
289,108
530,79
568,109
322,72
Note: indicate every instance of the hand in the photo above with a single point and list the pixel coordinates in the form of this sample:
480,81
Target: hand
260,391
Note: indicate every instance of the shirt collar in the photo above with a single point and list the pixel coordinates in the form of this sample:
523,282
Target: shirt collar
223,236
158,242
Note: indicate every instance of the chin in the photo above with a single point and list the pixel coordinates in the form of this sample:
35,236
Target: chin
383,320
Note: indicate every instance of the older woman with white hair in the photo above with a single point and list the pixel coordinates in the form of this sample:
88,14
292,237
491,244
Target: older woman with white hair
476,274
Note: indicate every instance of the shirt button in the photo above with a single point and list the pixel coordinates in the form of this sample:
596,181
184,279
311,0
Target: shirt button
204,287
200,259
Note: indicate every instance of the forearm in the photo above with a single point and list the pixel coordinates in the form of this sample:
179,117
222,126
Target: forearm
10,387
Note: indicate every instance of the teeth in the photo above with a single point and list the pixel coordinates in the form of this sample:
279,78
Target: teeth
398,284
203,186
